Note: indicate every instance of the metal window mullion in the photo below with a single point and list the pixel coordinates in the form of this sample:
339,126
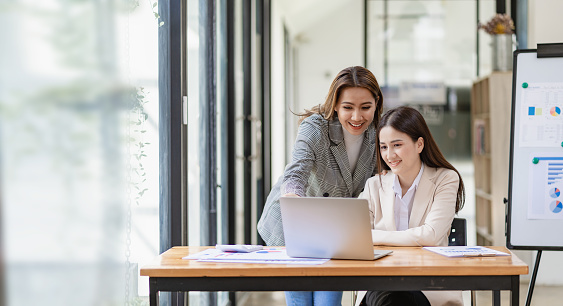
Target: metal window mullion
477,45
228,185
265,110
501,6
184,116
172,140
386,43
170,108
207,130
212,115
247,113
521,23
207,122
230,117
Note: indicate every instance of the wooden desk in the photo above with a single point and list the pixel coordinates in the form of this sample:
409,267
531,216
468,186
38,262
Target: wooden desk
408,268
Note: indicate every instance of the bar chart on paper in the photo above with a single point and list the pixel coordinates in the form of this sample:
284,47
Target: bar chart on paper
546,180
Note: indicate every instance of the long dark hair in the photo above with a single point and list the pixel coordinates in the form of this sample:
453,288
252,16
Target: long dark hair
355,76
409,121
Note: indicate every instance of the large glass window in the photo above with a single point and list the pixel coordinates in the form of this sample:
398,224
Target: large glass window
79,150
425,54
224,102
427,40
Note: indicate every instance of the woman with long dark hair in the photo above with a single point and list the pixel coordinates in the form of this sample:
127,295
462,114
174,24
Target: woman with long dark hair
415,202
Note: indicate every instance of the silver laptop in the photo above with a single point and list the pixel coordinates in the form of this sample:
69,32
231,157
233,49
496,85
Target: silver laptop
336,228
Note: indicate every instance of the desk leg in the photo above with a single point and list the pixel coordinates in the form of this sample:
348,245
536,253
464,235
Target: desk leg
515,292
153,292
496,297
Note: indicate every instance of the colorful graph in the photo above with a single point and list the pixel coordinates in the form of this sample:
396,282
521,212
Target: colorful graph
534,111
545,199
555,111
556,206
554,168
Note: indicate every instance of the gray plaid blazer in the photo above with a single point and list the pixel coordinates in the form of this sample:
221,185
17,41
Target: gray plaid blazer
319,168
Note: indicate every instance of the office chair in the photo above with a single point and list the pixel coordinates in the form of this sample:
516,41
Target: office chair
458,237
458,233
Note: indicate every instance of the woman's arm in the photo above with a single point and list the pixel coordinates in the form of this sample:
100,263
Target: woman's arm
297,172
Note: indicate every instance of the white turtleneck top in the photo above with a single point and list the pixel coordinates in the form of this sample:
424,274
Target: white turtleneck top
353,145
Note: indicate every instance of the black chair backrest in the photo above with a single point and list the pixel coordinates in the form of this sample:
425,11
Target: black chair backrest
458,233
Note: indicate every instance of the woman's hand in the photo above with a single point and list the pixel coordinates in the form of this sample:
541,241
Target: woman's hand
290,195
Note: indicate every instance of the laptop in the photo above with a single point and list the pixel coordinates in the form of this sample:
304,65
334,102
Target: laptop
336,228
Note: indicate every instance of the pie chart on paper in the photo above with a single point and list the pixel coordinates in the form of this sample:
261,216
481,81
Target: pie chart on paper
554,193
555,111
556,206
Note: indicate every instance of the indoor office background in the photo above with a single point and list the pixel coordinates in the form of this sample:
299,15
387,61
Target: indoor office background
128,127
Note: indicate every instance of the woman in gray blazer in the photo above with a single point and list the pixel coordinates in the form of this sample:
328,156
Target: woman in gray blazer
333,156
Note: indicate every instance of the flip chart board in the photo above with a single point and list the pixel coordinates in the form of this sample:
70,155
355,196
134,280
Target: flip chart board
534,218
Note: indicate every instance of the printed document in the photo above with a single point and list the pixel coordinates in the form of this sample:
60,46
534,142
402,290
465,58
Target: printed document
465,251
268,255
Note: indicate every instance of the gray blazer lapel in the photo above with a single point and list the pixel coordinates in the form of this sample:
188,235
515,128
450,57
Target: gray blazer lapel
338,149
387,200
423,196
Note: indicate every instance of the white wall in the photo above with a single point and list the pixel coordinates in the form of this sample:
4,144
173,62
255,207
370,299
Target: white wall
326,36
326,47
544,22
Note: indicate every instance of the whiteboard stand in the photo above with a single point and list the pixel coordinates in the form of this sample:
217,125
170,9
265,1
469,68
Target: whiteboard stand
535,197
533,279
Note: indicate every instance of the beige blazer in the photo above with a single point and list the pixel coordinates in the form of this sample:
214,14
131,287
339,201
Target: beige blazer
430,221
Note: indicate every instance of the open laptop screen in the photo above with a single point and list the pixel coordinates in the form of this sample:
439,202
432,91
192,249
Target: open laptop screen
327,227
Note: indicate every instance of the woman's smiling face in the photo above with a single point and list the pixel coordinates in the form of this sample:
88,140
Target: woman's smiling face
355,109
400,152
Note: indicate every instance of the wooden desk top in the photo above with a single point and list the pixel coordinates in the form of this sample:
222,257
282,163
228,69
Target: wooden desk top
408,261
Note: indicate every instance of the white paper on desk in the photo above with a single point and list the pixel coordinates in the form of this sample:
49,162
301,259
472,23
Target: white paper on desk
462,251
267,256
202,254
293,261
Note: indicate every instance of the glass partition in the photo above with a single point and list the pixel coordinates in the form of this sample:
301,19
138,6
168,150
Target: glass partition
424,54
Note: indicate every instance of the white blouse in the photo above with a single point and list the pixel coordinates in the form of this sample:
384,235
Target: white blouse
403,204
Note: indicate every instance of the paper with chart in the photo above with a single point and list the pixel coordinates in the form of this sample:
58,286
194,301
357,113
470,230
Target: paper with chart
465,251
546,183
540,117
269,255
